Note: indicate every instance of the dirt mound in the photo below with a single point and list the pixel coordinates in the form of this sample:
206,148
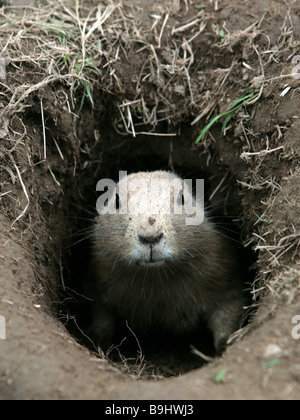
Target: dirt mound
89,89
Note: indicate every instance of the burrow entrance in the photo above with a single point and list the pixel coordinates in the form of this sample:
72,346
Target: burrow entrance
151,354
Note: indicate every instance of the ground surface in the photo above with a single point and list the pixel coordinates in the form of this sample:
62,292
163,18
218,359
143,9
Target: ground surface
240,47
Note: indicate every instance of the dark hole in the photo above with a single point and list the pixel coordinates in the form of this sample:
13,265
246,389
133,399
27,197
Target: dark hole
163,354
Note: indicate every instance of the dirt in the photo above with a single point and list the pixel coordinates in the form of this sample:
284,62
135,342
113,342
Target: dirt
252,170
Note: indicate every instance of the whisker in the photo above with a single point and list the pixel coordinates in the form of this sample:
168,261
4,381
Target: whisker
144,281
84,209
80,232
169,268
81,218
133,278
201,253
115,262
162,283
77,242
166,273
193,256
225,236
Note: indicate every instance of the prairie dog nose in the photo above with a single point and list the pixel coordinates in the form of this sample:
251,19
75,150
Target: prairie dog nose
151,239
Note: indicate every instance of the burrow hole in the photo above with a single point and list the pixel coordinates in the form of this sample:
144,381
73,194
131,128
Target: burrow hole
155,355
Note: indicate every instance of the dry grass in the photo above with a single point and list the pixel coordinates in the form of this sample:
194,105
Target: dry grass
83,48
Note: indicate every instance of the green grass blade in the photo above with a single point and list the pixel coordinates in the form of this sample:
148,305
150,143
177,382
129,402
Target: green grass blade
228,114
271,363
220,376
81,104
207,127
244,99
226,121
88,92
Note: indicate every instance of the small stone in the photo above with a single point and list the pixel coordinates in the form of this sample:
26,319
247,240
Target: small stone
272,350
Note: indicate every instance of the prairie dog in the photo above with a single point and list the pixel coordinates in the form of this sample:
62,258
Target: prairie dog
155,270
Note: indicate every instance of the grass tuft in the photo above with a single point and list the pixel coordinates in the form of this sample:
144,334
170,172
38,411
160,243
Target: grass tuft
228,114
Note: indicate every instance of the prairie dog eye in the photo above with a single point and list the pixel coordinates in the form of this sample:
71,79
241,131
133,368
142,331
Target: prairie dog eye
118,201
180,198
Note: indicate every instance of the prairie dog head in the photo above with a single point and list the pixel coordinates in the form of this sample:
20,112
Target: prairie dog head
146,220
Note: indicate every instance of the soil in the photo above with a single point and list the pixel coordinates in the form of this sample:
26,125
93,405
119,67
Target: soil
47,191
